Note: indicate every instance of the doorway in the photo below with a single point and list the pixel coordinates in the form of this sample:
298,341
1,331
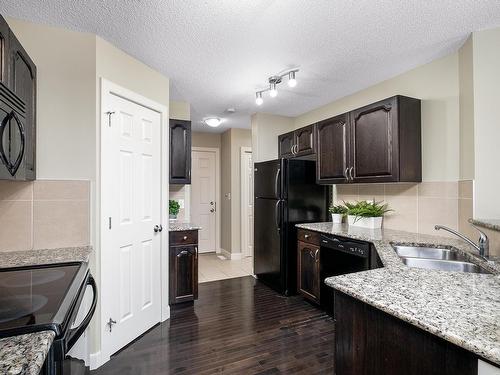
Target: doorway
246,183
205,180
132,155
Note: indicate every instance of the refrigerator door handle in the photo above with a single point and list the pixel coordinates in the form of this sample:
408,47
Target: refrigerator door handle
277,215
276,181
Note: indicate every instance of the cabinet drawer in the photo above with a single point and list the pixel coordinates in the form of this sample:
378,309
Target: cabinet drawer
308,236
187,237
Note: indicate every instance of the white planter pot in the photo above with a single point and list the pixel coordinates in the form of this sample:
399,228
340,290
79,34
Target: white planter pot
365,222
172,217
337,218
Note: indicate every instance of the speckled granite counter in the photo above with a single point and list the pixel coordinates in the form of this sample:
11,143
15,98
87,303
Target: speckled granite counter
25,354
463,308
493,224
175,226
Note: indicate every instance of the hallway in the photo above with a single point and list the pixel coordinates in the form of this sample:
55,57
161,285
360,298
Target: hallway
211,267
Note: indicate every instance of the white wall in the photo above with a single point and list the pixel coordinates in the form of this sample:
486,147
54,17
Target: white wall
486,81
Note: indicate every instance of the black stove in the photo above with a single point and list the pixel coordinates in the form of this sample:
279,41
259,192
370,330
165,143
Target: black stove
46,297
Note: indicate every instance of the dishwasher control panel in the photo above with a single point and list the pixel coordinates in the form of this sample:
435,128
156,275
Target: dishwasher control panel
361,249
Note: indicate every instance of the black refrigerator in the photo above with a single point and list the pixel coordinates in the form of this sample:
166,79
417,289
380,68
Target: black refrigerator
286,194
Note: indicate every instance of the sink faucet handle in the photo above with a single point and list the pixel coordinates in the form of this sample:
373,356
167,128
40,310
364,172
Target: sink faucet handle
484,242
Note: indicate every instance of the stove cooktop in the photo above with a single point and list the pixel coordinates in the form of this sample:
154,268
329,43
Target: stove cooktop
38,297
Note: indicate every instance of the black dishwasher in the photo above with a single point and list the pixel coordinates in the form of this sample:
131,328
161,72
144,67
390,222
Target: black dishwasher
339,256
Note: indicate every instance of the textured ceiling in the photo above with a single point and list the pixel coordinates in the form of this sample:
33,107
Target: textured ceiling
217,52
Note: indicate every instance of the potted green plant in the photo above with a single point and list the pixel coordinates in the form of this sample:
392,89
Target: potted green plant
173,209
338,212
366,214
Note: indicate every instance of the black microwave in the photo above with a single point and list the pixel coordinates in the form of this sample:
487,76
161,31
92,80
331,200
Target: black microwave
17,139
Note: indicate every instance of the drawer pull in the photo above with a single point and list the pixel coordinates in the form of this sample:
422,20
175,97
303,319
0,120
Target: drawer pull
185,238
306,236
183,252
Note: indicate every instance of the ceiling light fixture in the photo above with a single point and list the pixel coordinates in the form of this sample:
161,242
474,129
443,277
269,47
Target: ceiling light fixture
274,81
258,98
212,121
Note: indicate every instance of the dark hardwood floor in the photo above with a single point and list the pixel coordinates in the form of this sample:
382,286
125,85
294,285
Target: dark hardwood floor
237,326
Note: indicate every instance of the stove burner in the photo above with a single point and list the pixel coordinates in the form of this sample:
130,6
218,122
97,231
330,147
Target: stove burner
18,307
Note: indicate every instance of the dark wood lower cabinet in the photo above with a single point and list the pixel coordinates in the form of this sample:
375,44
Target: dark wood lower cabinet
308,271
371,342
183,269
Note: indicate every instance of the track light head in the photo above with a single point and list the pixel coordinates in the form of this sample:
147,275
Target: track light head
258,98
292,82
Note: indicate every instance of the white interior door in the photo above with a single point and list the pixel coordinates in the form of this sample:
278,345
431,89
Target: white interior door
131,178
203,198
246,202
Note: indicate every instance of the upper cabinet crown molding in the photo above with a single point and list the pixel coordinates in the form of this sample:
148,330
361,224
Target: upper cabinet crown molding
17,108
180,151
380,142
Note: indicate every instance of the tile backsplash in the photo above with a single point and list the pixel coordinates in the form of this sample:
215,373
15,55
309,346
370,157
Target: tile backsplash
44,214
418,207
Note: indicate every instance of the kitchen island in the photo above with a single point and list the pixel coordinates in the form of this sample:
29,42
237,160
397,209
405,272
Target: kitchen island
460,308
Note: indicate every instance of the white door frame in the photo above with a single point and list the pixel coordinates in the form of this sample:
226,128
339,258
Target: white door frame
243,206
217,193
107,88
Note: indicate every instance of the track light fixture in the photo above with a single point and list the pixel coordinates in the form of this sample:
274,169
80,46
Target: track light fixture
274,81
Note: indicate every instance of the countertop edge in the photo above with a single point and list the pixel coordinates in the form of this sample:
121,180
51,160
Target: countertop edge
487,223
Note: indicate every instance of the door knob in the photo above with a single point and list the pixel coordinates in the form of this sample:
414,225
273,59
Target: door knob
212,210
110,324
158,228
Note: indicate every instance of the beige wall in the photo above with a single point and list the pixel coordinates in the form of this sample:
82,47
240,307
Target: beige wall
200,139
486,81
466,100
265,131
436,84
180,110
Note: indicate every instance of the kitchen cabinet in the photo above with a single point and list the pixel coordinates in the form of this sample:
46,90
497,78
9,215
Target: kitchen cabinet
380,142
4,48
308,265
183,266
180,151
297,143
17,109
332,150
371,342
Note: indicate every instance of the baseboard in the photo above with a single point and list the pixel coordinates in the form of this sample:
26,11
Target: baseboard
228,255
97,360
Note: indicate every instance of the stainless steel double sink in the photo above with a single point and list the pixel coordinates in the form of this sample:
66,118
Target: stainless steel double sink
436,259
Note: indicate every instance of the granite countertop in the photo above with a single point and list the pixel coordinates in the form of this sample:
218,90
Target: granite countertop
175,226
493,224
462,308
25,354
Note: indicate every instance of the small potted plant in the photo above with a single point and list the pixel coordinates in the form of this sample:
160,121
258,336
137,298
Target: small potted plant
173,209
366,214
338,212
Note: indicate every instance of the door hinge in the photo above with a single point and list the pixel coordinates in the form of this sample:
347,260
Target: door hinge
109,222
109,113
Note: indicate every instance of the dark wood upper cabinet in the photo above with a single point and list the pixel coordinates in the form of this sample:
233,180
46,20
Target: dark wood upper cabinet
308,271
180,152
286,142
333,149
297,143
4,51
380,142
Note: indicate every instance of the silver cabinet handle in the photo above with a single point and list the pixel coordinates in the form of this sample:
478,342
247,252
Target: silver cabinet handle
183,252
306,236
351,170
316,256
346,173
185,238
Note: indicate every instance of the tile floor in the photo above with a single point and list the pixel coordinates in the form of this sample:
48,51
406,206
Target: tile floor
212,268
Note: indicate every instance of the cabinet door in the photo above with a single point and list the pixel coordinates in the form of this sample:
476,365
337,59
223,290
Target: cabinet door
183,274
332,150
4,51
374,142
304,139
308,271
285,144
180,152
22,75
